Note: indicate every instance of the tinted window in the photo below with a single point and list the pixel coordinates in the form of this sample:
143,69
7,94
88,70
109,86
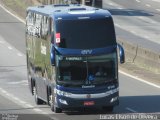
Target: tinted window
86,33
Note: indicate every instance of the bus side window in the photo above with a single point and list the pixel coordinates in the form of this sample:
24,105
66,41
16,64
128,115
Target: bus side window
29,23
51,29
37,25
44,27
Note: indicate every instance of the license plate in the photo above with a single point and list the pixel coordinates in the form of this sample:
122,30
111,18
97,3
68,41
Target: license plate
88,103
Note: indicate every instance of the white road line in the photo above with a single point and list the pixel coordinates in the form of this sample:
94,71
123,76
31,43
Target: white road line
37,110
110,4
12,14
15,98
117,25
133,32
1,42
158,10
147,37
148,5
3,91
22,102
7,94
139,79
120,8
156,0
131,110
10,48
43,112
138,1
19,54
29,106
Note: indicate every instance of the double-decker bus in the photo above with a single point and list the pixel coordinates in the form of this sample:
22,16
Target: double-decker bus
72,57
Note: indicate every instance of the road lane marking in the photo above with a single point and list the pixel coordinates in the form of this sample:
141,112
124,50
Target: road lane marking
139,79
18,82
28,105
117,25
120,8
12,14
7,94
3,91
19,54
15,98
158,10
138,1
10,48
24,104
147,37
110,4
133,32
2,42
156,0
148,5
37,110
131,110
147,19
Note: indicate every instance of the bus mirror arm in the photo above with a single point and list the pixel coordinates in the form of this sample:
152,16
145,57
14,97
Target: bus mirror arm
121,54
52,55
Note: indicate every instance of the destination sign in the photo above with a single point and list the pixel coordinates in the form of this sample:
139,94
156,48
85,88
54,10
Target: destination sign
74,58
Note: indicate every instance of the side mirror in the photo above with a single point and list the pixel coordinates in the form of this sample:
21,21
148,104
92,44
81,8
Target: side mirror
121,54
52,55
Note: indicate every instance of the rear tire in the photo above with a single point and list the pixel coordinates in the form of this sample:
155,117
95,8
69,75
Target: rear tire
38,101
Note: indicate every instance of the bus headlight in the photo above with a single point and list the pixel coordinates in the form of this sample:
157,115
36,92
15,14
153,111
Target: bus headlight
114,99
63,101
62,93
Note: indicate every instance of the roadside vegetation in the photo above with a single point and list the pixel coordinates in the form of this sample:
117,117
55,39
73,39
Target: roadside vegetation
19,6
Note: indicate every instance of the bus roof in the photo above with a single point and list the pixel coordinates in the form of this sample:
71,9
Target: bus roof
70,11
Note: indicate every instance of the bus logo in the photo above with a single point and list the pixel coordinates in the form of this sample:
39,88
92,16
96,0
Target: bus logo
86,52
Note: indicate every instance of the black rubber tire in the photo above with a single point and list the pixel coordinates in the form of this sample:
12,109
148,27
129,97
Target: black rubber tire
53,107
57,110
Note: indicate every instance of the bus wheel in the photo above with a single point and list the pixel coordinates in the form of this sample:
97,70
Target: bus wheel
57,110
53,107
108,108
37,100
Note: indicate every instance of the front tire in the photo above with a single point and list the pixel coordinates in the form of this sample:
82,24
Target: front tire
52,104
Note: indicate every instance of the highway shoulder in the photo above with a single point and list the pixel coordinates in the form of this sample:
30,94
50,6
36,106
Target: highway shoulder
142,72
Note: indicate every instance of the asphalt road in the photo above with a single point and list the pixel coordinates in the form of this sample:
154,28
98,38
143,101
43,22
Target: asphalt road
137,21
15,98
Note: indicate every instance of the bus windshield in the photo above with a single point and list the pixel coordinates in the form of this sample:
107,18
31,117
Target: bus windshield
93,70
86,33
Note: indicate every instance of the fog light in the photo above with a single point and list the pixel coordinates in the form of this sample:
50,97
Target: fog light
114,99
63,101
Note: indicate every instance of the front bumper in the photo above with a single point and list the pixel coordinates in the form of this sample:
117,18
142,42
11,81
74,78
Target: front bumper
67,102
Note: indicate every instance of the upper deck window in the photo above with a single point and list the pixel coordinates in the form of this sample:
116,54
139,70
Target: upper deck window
86,33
